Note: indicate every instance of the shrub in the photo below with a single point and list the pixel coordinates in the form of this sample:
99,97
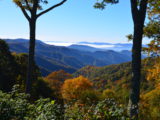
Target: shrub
16,106
107,109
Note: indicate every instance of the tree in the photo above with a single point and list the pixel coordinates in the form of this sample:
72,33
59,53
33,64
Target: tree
55,81
74,89
32,7
153,9
8,71
60,75
138,19
138,10
21,60
152,31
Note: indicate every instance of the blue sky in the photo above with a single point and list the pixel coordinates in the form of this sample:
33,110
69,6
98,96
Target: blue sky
74,21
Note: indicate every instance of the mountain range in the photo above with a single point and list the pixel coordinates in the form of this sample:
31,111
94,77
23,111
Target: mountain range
94,46
52,58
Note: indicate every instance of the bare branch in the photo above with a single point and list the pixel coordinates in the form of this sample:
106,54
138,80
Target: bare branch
25,13
54,6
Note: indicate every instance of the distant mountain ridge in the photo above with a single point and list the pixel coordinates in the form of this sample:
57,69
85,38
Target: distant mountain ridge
84,48
51,58
96,45
110,46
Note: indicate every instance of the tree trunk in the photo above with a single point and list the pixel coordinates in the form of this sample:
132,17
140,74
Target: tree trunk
138,15
136,71
30,69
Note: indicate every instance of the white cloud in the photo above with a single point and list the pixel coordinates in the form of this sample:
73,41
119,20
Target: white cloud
59,43
99,46
71,43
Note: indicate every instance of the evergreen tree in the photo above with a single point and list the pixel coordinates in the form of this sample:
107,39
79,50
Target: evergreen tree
8,68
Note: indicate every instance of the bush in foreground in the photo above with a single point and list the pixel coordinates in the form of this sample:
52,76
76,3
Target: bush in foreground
16,106
107,109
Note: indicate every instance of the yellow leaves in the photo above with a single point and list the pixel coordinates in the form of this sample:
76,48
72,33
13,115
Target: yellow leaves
150,101
52,102
152,94
108,93
74,88
153,74
150,104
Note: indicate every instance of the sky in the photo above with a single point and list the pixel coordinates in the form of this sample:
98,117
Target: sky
74,21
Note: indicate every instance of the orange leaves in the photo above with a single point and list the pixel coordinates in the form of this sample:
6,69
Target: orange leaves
74,88
60,75
56,79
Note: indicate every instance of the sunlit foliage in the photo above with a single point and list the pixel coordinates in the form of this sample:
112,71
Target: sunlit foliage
74,89
55,81
150,107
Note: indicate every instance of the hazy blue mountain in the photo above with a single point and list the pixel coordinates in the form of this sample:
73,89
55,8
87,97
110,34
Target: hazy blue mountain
95,43
84,48
108,46
94,46
50,58
102,47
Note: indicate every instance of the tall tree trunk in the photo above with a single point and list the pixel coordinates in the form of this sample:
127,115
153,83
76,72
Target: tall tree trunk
138,15
136,71
30,69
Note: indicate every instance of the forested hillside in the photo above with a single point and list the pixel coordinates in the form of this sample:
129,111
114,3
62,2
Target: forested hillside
51,58
103,76
116,77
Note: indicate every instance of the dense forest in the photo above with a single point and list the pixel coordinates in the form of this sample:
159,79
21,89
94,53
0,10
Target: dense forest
119,91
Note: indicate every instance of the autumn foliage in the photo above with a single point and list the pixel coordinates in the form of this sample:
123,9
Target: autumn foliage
73,89
153,73
55,81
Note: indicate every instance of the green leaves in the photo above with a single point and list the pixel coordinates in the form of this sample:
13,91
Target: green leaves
102,4
107,109
152,29
16,106
130,37
154,9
